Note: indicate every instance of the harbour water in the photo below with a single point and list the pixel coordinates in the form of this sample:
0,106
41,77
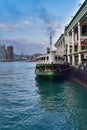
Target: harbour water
28,103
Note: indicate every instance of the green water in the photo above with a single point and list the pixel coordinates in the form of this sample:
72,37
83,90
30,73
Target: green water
29,103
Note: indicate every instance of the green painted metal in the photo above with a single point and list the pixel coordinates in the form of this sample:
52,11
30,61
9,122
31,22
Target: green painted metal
49,75
50,65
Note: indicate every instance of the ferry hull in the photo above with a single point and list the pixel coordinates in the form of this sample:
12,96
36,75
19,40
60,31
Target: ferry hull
49,75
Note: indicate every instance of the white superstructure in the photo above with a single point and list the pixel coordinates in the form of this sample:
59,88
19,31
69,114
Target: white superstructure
50,58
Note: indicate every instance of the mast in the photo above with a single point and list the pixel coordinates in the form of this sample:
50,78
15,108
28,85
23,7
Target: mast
50,42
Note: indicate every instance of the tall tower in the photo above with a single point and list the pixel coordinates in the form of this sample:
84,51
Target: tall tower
10,53
2,53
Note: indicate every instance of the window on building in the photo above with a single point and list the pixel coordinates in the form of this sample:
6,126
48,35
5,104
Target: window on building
84,30
55,57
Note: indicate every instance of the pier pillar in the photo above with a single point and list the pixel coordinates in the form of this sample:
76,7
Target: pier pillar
73,47
68,48
79,44
73,60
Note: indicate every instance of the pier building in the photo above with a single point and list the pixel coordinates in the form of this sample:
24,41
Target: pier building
74,39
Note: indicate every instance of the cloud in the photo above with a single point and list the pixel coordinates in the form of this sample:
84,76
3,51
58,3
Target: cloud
22,16
27,20
47,18
15,27
49,21
23,45
11,10
16,10
28,23
6,27
59,30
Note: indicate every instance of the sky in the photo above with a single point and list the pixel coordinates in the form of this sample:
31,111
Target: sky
26,24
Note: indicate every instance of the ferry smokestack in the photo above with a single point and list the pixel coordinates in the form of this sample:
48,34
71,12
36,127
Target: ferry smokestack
50,41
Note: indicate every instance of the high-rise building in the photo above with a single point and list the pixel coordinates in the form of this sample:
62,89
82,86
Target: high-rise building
10,53
2,53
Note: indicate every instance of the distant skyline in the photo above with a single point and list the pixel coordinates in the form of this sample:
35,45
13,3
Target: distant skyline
26,24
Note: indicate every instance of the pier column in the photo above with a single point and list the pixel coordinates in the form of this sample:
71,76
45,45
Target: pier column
68,48
79,44
73,47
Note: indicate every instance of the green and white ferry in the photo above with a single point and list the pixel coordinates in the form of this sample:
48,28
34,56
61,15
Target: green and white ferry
50,65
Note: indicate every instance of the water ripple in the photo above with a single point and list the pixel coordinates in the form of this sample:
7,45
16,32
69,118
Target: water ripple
27,103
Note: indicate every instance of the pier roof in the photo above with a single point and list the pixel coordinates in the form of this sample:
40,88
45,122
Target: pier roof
80,9
62,35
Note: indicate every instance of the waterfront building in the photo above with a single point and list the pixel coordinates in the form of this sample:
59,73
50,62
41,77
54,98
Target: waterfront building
60,45
75,38
2,53
10,53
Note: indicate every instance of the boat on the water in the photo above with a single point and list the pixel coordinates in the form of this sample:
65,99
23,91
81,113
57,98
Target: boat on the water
50,65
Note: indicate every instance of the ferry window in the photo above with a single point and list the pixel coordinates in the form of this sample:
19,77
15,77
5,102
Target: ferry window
41,58
47,57
58,58
44,58
55,57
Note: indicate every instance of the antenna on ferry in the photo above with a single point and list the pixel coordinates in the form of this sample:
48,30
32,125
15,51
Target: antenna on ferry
50,42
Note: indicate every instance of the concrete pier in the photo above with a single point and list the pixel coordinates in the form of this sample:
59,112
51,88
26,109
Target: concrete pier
74,45
79,74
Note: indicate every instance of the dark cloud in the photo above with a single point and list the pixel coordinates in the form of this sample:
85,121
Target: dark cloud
51,22
18,10
46,17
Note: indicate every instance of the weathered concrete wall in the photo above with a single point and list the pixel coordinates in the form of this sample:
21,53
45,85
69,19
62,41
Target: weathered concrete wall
79,74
